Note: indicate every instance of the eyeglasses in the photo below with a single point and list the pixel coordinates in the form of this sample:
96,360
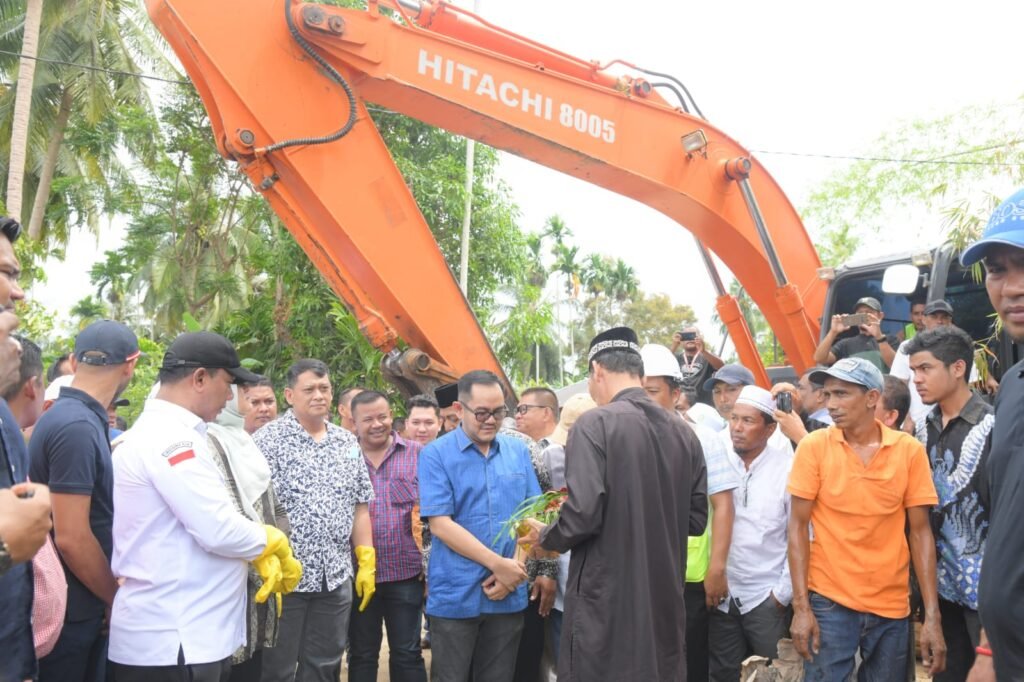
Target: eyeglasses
523,408
483,415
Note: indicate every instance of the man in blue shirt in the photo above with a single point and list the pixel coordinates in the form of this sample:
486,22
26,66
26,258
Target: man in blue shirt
471,481
24,507
70,452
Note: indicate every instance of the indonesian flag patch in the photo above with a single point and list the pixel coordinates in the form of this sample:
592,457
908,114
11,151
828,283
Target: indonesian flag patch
179,452
181,457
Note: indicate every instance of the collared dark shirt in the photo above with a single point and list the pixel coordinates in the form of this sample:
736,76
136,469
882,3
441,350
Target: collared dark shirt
958,455
17,651
1002,574
70,452
319,483
864,346
395,491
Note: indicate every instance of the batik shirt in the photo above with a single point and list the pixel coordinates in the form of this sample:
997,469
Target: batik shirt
958,455
319,483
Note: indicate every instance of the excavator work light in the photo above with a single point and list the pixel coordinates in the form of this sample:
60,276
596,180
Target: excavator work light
695,143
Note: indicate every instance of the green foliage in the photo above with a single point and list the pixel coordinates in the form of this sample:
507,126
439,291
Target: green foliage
193,224
146,370
108,34
878,197
653,317
35,322
87,311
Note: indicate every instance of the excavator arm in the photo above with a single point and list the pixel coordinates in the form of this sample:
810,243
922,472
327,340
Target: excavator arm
277,78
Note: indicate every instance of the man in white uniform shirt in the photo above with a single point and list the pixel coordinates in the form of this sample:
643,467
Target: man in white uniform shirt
756,614
179,545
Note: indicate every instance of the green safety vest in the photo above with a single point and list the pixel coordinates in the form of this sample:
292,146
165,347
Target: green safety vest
698,554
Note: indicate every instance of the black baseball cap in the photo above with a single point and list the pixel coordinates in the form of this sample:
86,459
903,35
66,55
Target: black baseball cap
938,307
106,343
209,350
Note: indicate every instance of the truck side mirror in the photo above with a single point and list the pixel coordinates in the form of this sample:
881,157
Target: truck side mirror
901,278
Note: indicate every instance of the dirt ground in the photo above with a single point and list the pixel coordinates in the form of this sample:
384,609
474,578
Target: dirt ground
383,676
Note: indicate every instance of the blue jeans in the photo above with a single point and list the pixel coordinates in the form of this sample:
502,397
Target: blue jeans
80,654
882,643
398,606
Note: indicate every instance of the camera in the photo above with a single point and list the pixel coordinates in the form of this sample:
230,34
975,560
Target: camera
784,401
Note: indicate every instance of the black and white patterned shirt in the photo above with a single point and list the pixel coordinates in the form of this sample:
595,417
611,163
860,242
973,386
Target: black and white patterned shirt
320,483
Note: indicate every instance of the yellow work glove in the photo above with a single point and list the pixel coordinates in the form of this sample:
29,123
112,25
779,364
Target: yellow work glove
366,576
269,568
277,544
291,574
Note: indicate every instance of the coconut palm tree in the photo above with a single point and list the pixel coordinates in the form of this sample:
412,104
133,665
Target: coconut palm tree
83,84
622,281
556,230
23,105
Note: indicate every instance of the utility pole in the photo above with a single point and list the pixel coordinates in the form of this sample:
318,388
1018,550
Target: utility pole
467,206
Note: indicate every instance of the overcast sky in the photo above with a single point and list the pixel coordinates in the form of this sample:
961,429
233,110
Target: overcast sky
797,76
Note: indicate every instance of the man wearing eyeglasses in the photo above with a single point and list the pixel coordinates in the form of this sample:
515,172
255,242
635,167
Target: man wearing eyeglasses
471,480
754,616
536,418
537,413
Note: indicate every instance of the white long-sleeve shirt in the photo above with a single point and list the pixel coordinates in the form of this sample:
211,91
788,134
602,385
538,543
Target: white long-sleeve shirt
179,544
758,565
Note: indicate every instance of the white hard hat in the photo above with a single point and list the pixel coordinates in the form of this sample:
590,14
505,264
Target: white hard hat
659,362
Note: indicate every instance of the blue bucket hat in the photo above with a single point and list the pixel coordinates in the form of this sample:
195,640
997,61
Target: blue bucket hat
1006,226
854,370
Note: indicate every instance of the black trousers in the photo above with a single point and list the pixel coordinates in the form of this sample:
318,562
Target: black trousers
531,644
734,636
696,632
961,628
218,671
484,646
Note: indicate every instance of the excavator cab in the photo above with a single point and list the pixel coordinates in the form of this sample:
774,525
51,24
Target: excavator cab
938,275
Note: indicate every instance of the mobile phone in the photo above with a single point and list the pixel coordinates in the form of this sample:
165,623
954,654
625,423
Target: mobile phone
784,401
855,320
688,336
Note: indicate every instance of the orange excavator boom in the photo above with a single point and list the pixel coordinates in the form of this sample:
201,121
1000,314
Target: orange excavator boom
277,78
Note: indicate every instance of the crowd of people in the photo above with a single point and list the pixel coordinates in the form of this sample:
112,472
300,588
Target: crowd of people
706,518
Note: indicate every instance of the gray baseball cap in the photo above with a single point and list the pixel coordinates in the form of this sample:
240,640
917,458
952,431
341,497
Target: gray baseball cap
871,302
854,370
734,375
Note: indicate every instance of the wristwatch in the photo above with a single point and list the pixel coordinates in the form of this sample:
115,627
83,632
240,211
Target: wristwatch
5,558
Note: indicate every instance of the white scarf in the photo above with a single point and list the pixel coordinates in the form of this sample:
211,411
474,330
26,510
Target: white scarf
247,464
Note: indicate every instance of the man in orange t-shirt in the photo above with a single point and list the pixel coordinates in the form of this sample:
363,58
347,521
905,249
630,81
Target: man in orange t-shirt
858,484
